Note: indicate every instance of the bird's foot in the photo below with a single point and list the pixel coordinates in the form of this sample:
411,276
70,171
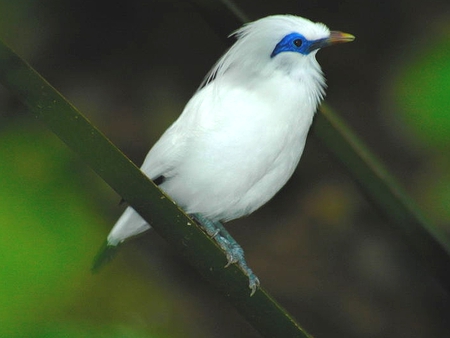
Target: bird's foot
235,255
233,251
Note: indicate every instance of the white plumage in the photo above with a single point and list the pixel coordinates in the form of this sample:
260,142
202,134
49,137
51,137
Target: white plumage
242,134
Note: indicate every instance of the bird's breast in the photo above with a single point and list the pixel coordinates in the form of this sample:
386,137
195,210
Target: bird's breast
246,144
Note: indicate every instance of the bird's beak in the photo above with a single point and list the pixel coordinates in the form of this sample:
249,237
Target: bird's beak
334,38
338,37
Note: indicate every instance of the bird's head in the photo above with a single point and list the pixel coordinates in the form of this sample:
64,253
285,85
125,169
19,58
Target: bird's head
308,37
277,42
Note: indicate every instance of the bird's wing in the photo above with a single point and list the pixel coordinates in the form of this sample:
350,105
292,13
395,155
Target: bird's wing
170,150
166,153
160,163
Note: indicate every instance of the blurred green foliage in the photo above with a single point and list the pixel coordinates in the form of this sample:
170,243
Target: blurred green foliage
69,330
422,92
48,216
45,219
422,96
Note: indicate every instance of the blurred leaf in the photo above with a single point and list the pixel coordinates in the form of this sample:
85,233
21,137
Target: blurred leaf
422,92
45,220
80,330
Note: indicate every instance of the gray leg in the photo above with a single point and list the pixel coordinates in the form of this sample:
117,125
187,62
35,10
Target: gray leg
233,251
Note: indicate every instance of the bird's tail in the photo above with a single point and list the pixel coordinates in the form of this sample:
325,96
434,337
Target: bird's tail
104,256
128,225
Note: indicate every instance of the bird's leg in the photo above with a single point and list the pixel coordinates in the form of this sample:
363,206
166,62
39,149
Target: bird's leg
233,251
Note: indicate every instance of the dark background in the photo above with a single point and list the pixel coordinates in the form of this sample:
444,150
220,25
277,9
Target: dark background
320,246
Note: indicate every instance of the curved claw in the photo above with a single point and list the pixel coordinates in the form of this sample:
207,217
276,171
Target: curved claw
235,254
253,284
233,251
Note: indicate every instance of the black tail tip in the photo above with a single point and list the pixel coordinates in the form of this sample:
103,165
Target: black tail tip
106,254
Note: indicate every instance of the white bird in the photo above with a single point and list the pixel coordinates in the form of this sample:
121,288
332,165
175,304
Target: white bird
241,136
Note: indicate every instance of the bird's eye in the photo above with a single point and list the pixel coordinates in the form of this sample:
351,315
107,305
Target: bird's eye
298,42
